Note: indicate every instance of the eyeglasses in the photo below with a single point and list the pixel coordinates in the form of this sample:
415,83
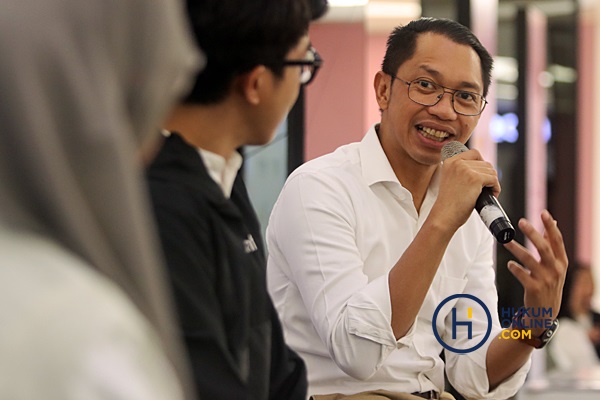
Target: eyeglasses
428,93
308,67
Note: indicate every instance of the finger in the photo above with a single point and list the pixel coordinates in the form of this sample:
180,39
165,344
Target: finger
471,154
489,175
522,274
495,186
542,245
523,254
482,167
554,236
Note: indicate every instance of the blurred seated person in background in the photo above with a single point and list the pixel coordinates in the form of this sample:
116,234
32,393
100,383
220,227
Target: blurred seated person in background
576,342
258,55
85,308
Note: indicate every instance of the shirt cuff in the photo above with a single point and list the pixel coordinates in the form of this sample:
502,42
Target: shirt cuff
473,381
370,315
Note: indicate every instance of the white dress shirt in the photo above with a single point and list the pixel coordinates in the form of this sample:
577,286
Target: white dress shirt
341,223
222,170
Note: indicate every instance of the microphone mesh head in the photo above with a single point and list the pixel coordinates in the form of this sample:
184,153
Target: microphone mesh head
453,148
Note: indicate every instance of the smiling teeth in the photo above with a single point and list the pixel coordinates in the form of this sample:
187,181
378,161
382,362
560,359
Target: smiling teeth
434,134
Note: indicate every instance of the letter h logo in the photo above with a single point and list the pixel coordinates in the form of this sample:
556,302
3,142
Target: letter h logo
468,324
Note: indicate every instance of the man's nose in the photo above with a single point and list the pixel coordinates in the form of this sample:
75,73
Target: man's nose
444,109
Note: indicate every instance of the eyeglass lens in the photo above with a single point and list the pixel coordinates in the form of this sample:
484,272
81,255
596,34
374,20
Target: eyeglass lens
306,71
430,93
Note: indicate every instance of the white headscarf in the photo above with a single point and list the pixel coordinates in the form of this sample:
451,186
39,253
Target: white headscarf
82,83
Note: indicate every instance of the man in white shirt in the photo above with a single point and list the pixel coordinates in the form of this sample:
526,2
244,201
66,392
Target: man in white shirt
368,243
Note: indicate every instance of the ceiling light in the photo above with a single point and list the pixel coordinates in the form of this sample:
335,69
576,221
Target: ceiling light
406,10
348,3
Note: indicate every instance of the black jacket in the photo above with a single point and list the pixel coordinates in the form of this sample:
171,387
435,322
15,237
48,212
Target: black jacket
216,263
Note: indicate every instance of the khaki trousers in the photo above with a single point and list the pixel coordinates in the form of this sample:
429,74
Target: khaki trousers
375,395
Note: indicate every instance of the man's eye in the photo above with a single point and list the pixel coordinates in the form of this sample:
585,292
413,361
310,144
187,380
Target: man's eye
426,85
465,96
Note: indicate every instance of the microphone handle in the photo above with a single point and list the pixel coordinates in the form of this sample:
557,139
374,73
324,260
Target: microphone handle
494,217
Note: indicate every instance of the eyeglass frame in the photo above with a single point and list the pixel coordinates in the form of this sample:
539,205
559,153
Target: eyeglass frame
446,90
315,64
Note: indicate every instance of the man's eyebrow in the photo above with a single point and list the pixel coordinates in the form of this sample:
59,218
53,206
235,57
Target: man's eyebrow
464,84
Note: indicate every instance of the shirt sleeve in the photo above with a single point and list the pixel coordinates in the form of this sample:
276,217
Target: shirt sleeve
288,372
467,372
312,235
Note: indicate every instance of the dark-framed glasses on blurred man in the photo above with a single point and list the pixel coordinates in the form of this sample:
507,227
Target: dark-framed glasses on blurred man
308,67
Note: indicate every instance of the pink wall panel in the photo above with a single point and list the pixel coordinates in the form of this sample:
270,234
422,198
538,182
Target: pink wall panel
536,109
335,101
585,145
484,21
376,44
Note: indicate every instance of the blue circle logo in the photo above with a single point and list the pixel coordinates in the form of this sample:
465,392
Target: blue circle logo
455,323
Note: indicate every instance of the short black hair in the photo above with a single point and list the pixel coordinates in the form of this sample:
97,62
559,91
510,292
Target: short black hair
318,8
238,35
402,43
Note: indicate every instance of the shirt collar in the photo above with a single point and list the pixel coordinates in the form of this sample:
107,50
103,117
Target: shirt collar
374,163
222,171
377,168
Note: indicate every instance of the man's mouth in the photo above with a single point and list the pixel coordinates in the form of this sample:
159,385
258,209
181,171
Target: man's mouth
433,134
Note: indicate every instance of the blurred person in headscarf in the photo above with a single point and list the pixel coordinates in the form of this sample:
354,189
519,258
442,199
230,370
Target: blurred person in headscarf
84,310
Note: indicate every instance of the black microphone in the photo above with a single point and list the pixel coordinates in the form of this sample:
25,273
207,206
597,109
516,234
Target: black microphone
487,205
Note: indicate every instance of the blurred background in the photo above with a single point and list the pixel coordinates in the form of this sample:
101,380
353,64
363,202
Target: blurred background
539,127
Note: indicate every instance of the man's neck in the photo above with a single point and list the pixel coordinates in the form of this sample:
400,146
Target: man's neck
209,127
416,181
412,176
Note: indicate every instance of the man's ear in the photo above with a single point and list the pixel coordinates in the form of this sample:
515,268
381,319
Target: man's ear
253,84
383,89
